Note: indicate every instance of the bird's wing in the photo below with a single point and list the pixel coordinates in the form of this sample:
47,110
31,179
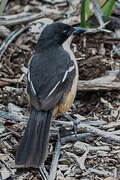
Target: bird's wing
49,79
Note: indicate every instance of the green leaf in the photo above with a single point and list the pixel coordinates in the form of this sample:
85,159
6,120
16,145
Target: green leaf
107,8
84,11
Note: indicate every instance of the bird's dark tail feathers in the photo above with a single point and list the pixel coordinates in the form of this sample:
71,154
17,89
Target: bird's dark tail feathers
33,148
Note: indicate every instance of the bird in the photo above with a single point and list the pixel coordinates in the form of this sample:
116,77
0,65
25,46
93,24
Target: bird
51,87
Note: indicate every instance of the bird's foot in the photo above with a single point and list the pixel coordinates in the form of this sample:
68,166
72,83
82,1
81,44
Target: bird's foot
75,123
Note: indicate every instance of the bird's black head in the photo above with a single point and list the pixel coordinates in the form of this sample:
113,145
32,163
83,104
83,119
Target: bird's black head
56,33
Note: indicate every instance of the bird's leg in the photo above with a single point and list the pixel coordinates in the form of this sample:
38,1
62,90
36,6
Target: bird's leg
43,172
68,117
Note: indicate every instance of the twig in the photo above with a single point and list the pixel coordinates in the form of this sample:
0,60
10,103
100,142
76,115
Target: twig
13,132
13,117
103,83
98,29
100,172
70,124
114,23
5,138
19,18
21,78
7,167
83,158
73,138
107,135
12,81
63,123
55,160
84,146
111,125
78,160
117,132
5,134
8,69
10,38
105,40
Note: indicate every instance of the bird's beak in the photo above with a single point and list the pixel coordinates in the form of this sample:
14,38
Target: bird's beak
79,30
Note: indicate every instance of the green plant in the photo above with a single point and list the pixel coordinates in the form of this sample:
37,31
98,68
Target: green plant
107,8
86,13
2,5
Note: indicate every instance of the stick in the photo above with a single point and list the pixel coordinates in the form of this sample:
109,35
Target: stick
70,124
100,173
77,137
4,134
102,83
87,86
83,146
80,160
54,164
117,132
13,117
19,18
104,134
111,125
10,38
12,81
7,167
13,132
83,158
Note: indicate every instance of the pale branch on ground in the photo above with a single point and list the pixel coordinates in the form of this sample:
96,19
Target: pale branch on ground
107,135
21,18
54,164
99,172
107,83
74,138
84,146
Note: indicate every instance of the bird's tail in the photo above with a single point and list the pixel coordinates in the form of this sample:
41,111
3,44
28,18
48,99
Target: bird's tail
33,148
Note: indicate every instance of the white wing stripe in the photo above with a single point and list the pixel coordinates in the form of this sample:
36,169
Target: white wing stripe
69,70
53,89
33,88
65,76
31,84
